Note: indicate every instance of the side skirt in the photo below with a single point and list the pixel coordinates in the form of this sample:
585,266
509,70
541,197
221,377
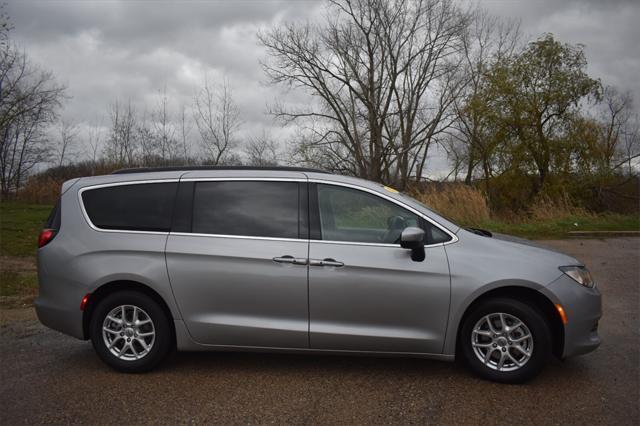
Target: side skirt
186,344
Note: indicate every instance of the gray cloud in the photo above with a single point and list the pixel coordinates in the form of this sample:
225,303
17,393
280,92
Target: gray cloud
608,29
132,49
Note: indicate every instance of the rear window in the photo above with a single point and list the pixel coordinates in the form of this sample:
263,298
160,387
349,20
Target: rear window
135,207
261,209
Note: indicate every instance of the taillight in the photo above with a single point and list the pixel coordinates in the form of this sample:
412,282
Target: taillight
45,237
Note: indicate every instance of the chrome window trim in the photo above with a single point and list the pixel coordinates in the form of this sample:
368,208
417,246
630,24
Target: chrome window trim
454,237
354,243
304,240
239,237
123,183
255,179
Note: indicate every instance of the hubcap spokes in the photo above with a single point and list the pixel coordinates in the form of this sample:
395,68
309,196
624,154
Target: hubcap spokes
502,342
128,332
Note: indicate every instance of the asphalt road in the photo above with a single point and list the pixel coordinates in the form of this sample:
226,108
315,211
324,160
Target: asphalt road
50,378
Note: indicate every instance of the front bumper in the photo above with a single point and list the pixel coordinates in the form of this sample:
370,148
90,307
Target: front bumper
583,307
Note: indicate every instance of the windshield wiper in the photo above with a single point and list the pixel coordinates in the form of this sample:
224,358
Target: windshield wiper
482,232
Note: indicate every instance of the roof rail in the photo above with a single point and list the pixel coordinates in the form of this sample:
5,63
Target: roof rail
192,168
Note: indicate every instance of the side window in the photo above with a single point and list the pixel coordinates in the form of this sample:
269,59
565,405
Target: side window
260,209
137,207
351,215
435,235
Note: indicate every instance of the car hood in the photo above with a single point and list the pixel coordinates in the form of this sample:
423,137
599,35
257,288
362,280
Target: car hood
506,257
525,242
534,249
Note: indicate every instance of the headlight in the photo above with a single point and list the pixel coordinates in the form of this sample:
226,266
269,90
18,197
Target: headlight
579,274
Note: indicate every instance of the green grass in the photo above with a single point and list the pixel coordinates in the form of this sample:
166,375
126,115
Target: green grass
559,228
14,283
20,225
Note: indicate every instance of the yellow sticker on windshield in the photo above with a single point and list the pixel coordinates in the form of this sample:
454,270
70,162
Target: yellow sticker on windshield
388,188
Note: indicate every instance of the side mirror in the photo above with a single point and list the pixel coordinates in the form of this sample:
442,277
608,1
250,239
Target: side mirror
413,238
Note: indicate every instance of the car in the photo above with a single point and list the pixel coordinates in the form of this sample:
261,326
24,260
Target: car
146,261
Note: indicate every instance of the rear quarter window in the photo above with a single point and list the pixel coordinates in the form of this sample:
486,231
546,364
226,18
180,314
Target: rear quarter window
135,207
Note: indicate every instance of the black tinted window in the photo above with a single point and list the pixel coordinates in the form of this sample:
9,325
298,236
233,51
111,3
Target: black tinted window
435,235
261,209
139,207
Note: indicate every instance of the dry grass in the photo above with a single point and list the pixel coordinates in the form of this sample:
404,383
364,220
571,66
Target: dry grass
559,207
469,206
41,191
461,203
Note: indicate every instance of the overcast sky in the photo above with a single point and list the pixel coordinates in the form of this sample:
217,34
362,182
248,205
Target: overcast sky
132,49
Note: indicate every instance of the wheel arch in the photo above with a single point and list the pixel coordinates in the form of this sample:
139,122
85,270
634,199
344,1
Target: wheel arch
527,295
123,285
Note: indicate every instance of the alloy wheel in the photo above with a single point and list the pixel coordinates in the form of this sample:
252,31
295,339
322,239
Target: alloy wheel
502,341
128,332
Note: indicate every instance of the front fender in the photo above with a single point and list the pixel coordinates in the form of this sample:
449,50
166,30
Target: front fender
462,297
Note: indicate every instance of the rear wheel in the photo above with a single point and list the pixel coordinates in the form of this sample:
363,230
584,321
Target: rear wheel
130,332
505,340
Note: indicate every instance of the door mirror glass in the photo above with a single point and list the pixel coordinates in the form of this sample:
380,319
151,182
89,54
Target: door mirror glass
413,239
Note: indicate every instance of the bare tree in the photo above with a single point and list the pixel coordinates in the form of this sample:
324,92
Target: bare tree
616,146
631,146
147,143
29,103
5,27
121,144
94,141
381,72
217,119
164,129
262,151
67,135
185,129
486,41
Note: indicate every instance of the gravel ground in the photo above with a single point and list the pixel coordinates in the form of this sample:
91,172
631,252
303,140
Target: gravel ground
50,378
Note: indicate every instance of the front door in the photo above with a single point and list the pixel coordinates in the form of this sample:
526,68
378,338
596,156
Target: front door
240,276
365,292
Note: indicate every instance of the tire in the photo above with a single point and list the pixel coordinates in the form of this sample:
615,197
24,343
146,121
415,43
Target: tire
149,342
509,346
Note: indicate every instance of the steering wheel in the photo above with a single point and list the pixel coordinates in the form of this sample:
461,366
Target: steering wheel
395,226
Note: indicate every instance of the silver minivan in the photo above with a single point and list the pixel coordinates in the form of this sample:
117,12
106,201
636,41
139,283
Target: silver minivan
145,261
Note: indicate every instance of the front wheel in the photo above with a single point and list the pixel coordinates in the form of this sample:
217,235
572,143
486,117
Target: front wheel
505,340
130,332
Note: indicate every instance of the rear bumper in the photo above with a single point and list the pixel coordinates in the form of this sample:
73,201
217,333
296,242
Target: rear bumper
583,307
58,301
59,318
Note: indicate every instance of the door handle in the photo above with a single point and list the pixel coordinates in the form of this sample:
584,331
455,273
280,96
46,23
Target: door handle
290,259
326,262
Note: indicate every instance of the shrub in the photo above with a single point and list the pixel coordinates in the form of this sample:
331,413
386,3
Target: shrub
461,203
